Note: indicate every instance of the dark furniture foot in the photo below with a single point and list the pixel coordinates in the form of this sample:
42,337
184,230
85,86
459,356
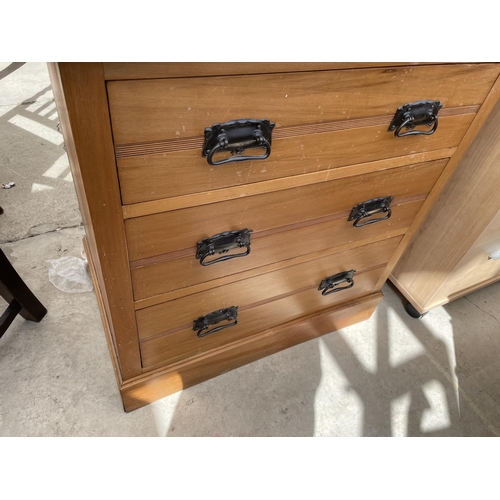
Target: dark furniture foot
20,298
413,312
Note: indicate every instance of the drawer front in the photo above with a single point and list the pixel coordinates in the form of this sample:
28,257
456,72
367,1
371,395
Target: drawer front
184,342
182,229
152,110
147,177
181,312
167,276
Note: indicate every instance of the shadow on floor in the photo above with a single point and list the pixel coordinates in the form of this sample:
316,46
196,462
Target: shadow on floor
409,388
32,155
10,69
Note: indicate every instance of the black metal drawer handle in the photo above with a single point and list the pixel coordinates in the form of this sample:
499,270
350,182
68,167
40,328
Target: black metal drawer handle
214,318
413,114
235,137
222,243
328,285
371,207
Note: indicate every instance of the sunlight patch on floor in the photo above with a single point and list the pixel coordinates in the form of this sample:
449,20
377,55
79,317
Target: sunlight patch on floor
400,408
338,410
37,129
164,411
57,168
38,188
437,416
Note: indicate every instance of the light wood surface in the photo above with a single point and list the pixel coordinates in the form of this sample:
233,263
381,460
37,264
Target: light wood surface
132,71
152,177
150,110
171,231
482,115
275,266
232,193
184,343
81,101
182,312
183,144
467,204
162,382
166,276
104,314
134,134
474,267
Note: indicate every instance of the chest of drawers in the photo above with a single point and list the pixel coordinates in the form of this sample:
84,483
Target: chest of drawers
236,209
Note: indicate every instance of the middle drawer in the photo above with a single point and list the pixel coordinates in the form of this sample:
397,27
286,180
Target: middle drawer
176,230
285,224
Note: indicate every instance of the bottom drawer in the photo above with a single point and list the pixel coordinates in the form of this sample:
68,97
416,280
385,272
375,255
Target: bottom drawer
178,345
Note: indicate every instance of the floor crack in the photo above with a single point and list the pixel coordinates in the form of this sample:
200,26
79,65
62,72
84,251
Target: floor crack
41,234
482,310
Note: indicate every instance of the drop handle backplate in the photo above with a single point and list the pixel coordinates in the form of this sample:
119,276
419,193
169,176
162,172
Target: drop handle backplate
367,209
330,285
235,137
221,244
214,318
411,115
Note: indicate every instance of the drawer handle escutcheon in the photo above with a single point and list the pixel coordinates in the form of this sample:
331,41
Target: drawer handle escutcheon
413,114
222,243
371,207
213,318
328,284
237,136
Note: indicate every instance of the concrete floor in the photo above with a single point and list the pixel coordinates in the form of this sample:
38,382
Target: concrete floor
389,376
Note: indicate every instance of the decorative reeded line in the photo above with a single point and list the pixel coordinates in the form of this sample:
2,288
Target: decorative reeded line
173,145
190,252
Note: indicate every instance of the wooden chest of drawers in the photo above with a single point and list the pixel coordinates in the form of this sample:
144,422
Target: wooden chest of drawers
233,210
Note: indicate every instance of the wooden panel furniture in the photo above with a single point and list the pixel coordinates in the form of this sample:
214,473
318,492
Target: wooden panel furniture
457,249
236,209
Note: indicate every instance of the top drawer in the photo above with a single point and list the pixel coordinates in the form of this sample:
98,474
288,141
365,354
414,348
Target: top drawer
155,110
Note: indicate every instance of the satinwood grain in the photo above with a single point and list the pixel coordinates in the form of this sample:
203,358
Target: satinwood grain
133,71
180,229
152,177
149,110
172,274
174,314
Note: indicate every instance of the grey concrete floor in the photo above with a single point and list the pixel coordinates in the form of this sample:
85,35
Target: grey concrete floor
389,376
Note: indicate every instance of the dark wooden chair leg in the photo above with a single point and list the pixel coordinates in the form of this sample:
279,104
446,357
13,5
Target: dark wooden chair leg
20,298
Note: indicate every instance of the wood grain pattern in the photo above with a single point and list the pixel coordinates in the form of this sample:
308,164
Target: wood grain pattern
150,110
81,99
474,267
226,194
104,314
175,145
181,313
184,343
275,266
146,178
467,204
171,231
133,71
164,381
184,272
